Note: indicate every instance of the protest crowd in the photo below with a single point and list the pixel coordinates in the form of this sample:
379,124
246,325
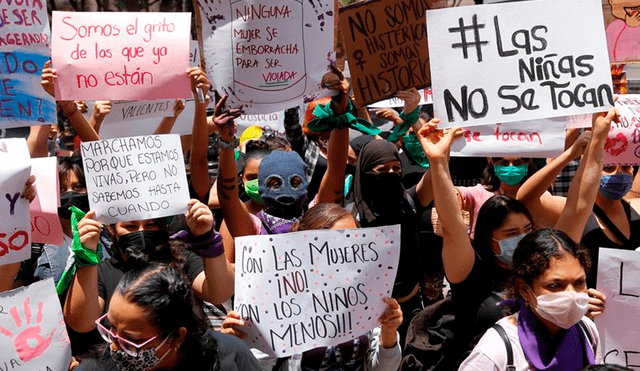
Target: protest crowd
346,228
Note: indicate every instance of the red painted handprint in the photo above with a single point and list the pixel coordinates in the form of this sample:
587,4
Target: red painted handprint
29,336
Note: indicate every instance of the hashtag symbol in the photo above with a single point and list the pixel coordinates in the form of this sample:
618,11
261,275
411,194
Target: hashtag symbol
464,45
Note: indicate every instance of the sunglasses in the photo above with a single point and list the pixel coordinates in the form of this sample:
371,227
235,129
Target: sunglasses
129,347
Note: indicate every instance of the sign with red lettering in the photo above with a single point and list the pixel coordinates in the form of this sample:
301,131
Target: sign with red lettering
490,64
129,57
33,335
267,55
135,178
537,138
15,229
623,143
24,48
45,223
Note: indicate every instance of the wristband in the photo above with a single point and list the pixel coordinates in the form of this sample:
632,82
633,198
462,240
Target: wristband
326,120
408,119
233,144
75,109
209,245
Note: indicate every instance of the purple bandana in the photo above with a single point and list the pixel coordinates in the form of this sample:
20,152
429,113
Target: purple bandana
572,353
274,225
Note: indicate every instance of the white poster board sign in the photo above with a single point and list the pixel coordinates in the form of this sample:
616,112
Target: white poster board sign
489,63
623,142
15,225
267,55
426,97
112,127
136,177
303,290
123,111
14,148
274,120
537,138
619,280
33,335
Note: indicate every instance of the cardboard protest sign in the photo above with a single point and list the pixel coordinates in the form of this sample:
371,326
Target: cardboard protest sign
24,48
274,120
623,143
45,224
489,64
537,138
129,57
15,230
303,290
33,335
267,55
622,28
386,42
619,280
114,127
123,111
136,177
425,98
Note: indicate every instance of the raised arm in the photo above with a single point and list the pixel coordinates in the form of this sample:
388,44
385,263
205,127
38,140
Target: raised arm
458,255
199,139
101,109
544,208
83,305
166,124
585,184
69,107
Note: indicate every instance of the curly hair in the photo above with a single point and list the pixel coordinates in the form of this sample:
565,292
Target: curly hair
533,255
164,294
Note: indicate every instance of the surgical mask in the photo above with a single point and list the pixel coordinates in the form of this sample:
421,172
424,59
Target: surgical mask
507,247
564,308
251,190
614,187
71,198
412,145
511,174
144,360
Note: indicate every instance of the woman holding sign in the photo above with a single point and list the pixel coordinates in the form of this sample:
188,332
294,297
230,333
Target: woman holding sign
478,273
377,350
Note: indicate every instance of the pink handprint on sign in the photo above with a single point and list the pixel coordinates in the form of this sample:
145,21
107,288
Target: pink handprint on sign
28,336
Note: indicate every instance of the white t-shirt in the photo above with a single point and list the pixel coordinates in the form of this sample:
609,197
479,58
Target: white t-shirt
491,354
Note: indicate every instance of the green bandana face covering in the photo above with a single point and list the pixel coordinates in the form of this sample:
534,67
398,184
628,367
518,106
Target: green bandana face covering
511,174
414,149
251,189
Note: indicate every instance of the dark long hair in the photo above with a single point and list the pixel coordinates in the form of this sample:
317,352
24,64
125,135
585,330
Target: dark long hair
67,165
491,216
321,216
164,294
535,251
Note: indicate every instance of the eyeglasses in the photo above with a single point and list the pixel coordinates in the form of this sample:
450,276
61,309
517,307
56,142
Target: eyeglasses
130,348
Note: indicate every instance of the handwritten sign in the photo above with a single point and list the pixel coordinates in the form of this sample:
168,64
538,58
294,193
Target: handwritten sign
303,290
386,42
267,55
128,57
24,48
623,143
537,138
135,110
14,148
194,53
33,335
490,64
45,223
114,127
579,121
15,231
619,280
426,97
274,120
136,177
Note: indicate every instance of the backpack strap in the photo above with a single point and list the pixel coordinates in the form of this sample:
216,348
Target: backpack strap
507,343
584,328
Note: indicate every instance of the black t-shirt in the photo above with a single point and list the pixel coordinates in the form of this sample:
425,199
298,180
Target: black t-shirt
111,271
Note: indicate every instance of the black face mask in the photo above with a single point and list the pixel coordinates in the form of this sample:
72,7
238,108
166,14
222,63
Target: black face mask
71,198
385,199
145,241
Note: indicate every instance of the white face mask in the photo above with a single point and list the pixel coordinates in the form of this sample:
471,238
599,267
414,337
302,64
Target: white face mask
564,308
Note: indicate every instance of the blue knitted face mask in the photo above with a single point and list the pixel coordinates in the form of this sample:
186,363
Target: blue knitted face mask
614,187
282,184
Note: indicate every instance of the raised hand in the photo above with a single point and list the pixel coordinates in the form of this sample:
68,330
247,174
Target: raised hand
89,230
199,218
